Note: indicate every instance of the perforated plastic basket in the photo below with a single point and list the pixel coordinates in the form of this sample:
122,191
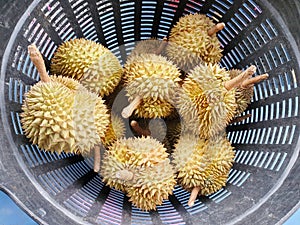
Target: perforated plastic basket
263,186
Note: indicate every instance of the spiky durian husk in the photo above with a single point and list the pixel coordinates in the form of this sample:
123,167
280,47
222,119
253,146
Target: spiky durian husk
115,130
130,154
206,163
152,185
149,46
104,75
101,117
243,96
86,60
155,79
205,105
47,117
70,83
189,42
84,110
174,131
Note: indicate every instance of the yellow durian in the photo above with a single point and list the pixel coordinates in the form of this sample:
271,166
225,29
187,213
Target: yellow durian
205,105
151,83
98,69
203,164
193,40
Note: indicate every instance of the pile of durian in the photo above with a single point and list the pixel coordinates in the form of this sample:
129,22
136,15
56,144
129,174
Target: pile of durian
176,82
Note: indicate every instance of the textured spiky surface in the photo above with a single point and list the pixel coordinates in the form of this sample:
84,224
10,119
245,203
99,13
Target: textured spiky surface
81,59
243,96
155,79
152,185
84,115
149,46
115,130
58,118
203,163
70,83
47,117
205,105
189,42
129,154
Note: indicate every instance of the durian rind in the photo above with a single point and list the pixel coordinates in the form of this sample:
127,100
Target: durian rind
101,116
85,128
206,165
104,75
70,83
130,154
115,130
189,37
47,117
152,185
211,106
86,60
154,79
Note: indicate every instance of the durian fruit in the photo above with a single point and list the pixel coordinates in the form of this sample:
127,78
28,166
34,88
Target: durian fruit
151,84
57,117
47,117
127,155
149,46
193,40
70,83
115,130
98,69
202,165
152,185
244,94
205,105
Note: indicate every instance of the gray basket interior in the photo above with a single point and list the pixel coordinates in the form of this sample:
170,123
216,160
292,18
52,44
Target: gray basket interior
263,185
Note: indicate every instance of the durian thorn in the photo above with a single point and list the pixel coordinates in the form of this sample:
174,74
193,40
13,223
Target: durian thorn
240,118
128,110
97,158
37,59
193,196
238,80
162,46
125,175
140,131
215,29
254,80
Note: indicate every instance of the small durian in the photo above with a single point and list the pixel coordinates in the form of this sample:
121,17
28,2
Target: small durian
127,155
59,115
202,165
151,185
204,104
98,69
193,40
115,130
47,117
149,46
151,84
244,94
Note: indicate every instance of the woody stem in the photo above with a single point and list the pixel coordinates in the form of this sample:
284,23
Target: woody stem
37,59
215,29
97,159
140,131
128,110
193,196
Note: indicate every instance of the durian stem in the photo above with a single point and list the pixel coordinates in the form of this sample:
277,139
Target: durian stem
254,80
238,80
125,175
240,118
97,158
162,46
128,110
216,28
140,131
193,196
37,59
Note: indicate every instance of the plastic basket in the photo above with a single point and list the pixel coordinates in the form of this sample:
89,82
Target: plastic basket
263,186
